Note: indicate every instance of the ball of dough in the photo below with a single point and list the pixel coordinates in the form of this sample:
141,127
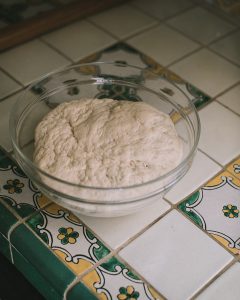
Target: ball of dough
106,143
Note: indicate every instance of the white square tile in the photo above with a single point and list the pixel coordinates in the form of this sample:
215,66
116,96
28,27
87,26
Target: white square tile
201,25
79,39
229,47
178,257
123,20
31,60
231,99
7,86
5,108
116,231
207,71
163,44
220,133
202,169
225,287
162,9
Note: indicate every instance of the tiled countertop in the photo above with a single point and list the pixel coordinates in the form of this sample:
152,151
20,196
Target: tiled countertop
186,246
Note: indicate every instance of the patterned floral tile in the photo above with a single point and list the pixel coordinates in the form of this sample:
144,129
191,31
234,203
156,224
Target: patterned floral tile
70,240
216,209
47,265
122,52
17,191
114,280
234,167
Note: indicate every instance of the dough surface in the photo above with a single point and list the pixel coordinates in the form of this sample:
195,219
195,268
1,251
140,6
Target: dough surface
106,143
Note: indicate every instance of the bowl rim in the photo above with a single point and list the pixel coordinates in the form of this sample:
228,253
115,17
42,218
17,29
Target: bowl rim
67,183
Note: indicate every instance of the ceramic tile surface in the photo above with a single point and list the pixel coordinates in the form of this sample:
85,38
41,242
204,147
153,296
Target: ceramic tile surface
116,231
186,246
71,241
80,39
205,26
17,191
31,60
210,68
178,246
172,47
214,132
8,85
229,47
5,108
112,21
162,9
215,208
114,280
231,99
202,169
220,288
234,168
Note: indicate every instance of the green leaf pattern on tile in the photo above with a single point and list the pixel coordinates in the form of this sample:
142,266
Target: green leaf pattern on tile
215,208
188,207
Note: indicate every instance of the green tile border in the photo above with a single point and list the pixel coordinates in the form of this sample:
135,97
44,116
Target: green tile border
80,292
41,258
32,275
5,247
7,219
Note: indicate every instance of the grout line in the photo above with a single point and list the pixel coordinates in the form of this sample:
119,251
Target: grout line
223,57
223,36
13,78
228,266
55,49
11,94
226,90
207,233
219,13
134,237
218,163
175,205
184,57
164,19
237,114
125,38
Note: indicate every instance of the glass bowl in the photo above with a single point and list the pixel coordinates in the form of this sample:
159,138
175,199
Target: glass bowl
118,81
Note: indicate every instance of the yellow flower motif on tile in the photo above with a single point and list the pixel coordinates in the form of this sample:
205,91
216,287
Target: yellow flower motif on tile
128,293
14,186
67,235
230,211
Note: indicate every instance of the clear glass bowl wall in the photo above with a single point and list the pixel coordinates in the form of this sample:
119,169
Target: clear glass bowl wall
102,80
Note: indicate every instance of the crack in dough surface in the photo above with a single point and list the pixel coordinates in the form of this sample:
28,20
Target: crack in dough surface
106,143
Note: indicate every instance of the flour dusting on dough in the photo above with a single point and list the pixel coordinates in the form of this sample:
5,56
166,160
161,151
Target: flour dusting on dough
106,143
